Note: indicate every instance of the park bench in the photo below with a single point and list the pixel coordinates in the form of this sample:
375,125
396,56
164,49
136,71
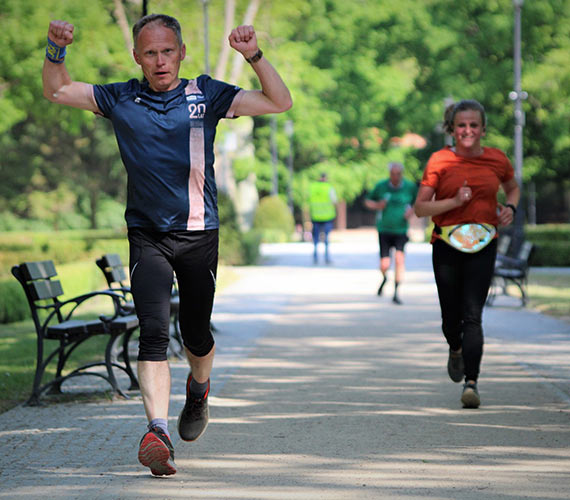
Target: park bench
511,270
114,272
56,322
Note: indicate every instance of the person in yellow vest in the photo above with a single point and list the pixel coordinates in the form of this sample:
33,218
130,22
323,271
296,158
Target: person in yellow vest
322,200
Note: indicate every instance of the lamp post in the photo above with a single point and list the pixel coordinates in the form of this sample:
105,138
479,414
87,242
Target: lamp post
273,141
518,95
289,128
206,37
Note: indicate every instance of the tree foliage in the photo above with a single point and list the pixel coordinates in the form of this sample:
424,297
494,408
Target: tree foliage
360,72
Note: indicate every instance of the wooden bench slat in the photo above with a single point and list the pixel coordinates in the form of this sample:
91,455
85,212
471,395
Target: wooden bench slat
38,270
44,289
75,327
118,274
112,260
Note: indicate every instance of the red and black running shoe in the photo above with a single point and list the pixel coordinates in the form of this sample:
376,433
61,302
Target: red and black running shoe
156,451
193,420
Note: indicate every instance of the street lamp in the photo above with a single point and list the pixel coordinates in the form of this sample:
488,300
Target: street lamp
273,141
289,133
518,95
206,42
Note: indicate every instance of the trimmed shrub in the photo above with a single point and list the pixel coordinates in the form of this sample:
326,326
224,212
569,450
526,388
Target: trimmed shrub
273,220
550,254
250,244
552,244
548,232
13,302
236,248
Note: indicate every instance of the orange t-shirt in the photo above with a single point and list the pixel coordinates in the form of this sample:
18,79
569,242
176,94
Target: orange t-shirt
446,172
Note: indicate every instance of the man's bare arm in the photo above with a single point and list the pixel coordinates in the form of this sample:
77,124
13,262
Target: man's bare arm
274,96
57,84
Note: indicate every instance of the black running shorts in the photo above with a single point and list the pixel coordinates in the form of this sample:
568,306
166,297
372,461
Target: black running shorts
154,258
389,240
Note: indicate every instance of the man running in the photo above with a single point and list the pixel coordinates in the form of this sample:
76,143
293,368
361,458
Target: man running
165,127
322,206
393,198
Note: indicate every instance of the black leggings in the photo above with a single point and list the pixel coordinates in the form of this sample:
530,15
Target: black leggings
463,281
154,257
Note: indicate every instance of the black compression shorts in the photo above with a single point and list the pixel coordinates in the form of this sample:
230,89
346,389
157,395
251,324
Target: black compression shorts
154,258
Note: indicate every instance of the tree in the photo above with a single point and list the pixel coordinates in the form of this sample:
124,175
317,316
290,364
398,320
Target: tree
360,72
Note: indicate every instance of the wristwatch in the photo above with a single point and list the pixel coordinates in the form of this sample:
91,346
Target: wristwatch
255,57
512,207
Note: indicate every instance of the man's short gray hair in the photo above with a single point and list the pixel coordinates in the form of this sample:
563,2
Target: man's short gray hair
395,166
163,19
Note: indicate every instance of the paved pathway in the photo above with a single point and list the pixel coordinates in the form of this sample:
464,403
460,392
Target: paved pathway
322,390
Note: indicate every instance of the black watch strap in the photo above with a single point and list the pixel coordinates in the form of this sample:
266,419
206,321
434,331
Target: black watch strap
512,207
255,57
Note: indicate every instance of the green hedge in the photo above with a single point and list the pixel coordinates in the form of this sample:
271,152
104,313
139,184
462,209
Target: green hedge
74,254
236,248
62,247
551,244
550,254
76,279
548,232
13,303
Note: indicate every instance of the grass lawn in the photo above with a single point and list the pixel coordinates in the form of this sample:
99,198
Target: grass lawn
550,294
18,360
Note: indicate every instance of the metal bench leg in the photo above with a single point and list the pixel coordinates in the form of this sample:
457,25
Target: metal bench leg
522,287
34,399
177,338
127,360
109,366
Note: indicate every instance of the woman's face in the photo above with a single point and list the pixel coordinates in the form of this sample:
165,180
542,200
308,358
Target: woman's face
468,129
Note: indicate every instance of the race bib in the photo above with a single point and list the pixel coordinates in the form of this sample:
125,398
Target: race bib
468,238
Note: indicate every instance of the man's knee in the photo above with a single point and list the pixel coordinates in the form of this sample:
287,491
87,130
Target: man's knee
202,347
400,257
153,339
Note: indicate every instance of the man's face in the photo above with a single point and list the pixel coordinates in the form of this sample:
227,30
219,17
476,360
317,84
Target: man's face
395,176
159,55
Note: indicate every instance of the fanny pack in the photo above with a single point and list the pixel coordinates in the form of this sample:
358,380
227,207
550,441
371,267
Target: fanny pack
468,238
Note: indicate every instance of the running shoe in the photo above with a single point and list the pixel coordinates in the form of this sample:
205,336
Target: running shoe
381,287
193,420
455,366
470,397
156,451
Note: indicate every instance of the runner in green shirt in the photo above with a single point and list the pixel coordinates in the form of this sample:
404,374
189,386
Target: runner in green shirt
393,199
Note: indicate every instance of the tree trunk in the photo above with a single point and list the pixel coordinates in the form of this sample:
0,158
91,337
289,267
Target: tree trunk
123,24
222,66
93,205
